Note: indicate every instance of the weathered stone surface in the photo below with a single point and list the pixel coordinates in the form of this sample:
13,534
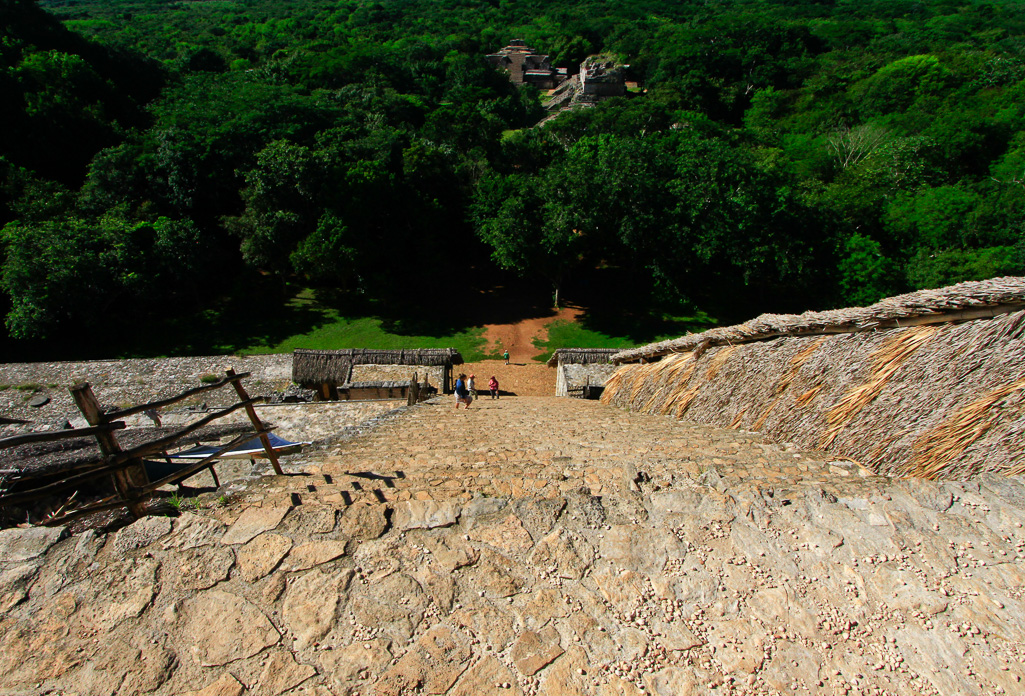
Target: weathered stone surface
546,604
395,605
254,521
790,662
496,627
508,536
311,604
425,514
738,646
140,533
14,582
532,651
192,530
567,676
128,589
568,554
623,590
306,520
363,521
451,552
313,554
222,627
356,662
431,667
495,575
282,673
641,550
539,515
487,676
261,555
198,569
18,545
226,685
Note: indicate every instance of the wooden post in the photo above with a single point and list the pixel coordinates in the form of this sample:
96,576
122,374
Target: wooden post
134,474
271,455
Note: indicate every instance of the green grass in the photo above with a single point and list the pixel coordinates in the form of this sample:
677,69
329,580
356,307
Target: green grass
334,330
567,334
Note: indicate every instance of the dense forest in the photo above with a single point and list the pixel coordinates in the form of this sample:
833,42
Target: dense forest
778,154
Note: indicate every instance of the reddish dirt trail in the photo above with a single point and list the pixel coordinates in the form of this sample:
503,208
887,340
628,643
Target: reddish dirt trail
518,338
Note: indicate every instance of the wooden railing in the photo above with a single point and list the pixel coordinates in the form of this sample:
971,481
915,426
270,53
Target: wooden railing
125,466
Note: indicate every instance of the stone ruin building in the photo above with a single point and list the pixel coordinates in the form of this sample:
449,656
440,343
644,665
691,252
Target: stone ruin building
525,67
581,373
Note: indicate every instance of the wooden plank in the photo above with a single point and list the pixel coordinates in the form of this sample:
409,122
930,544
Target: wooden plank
257,425
55,435
125,479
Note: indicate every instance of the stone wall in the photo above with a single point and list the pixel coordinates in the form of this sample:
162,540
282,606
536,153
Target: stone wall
575,376
398,373
123,383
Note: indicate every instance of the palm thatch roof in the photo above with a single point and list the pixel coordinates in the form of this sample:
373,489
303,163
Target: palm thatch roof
933,400
582,356
962,302
334,366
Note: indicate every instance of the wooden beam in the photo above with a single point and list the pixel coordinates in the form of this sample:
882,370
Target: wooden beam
54,435
257,425
128,479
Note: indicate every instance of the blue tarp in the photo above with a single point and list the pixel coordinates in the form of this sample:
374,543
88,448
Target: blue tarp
247,450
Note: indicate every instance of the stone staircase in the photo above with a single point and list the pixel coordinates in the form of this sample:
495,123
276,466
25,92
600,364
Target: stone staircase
534,546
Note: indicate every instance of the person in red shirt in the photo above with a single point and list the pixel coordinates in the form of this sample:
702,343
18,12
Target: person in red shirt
493,386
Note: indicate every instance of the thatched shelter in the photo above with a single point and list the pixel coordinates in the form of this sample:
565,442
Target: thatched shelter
582,372
928,384
325,371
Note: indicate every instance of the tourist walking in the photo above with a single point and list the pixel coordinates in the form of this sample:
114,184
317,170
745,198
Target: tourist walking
506,356
462,393
493,386
471,386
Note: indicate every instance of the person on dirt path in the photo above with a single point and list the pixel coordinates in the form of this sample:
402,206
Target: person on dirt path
471,386
493,386
506,356
462,393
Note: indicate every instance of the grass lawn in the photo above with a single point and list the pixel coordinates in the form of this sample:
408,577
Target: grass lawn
567,334
334,330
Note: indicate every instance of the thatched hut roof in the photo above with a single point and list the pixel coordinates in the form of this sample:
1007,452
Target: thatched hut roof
962,302
582,356
333,366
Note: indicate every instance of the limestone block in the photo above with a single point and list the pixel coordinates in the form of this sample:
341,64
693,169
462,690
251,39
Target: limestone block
200,568
425,514
508,535
282,673
18,545
261,555
568,553
533,651
192,530
363,521
487,676
311,604
223,627
313,554
252,522
140,533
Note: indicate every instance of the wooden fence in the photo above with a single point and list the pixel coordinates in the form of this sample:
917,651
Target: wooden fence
125,466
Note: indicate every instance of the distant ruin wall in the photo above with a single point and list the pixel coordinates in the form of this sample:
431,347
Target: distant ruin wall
129,382
945,400
399,373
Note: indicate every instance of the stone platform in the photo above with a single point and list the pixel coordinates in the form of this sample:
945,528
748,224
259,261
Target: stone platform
535,546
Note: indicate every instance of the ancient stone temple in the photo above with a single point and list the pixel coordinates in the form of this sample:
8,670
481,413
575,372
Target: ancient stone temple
527,67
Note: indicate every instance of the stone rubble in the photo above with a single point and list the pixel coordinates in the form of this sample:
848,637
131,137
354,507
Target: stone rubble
535,546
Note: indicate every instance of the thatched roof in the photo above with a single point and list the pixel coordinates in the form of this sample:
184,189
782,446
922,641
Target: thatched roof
581,356
942,400
333,366
962,302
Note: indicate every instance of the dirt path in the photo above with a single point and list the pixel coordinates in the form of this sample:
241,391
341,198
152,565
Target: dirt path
518,338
